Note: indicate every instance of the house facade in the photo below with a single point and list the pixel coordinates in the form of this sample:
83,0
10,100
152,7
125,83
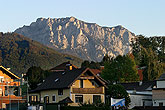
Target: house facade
9,87
73,87
140,93
158,93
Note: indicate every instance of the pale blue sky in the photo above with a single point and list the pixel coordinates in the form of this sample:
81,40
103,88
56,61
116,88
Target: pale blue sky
145,17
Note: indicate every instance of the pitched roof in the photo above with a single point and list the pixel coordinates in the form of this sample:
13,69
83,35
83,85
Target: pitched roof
96,71
136,85
6,71
66,100
63,79
63,66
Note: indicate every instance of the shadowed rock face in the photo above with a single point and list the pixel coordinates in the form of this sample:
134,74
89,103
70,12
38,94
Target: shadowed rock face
86,40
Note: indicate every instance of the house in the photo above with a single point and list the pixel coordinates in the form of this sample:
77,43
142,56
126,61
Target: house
96,71
158,93
140,93
9,87
64,67
72,86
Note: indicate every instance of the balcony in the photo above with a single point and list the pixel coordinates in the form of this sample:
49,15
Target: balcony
98,90
11,99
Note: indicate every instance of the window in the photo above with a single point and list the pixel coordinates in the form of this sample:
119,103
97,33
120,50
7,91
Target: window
78,98
96,98
30,98
93,83
6,91
33,98
1,79
0,91
161,104
60,91
54,98
46,99
81,83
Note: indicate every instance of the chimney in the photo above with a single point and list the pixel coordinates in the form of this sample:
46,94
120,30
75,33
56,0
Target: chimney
70,67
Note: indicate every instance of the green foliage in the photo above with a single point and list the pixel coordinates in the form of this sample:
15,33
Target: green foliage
120,69
35,76
117,91
149,53
85,108
105,59
85,64
88,106
24,89
92,65
20,53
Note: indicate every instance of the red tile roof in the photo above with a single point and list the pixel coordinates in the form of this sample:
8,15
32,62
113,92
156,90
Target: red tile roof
96,71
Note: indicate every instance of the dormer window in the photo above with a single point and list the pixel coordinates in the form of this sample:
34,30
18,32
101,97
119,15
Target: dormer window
56,79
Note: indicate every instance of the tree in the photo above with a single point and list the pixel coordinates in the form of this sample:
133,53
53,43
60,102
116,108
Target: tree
120,69
35,76
148,53
85,64
117,91
92,65
106,58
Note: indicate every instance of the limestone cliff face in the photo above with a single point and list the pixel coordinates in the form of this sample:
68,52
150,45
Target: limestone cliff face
86,40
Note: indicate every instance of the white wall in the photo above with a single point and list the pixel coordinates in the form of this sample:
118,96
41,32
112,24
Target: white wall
156,102
137,100
160,84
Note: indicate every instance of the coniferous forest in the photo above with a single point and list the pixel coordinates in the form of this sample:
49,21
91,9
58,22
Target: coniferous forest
20,53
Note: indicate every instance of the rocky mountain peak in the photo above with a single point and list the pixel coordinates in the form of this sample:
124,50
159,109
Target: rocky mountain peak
86,40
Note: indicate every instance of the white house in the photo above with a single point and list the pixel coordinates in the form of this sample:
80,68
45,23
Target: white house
140,93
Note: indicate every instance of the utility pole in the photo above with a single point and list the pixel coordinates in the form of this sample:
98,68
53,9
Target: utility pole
10,93
27,92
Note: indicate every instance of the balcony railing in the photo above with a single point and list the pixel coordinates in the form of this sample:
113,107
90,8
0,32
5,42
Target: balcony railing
99,90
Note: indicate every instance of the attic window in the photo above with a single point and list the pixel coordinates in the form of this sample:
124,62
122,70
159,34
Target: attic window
67,64
56,79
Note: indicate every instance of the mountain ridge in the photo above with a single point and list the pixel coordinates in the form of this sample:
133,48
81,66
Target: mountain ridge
85,40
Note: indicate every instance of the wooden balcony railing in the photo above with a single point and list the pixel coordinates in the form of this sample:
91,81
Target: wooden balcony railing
99,90
9,84
11,99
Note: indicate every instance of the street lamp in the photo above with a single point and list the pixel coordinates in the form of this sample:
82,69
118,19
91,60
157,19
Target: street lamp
27,86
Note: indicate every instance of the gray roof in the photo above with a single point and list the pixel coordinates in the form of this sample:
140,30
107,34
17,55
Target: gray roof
62,79
162,77
136,86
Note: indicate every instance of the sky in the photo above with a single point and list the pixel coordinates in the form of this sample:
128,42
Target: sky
146,17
